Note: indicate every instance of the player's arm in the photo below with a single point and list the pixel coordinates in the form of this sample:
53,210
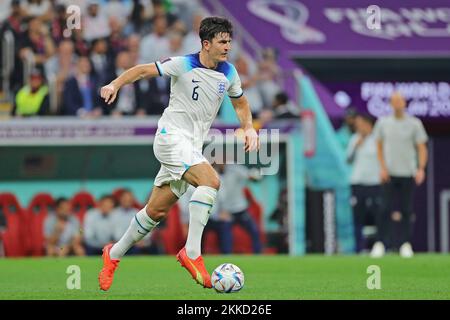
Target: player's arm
242,108
140,71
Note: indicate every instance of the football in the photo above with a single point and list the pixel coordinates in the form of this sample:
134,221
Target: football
227,278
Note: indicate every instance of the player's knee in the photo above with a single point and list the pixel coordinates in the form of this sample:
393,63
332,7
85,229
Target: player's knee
155,214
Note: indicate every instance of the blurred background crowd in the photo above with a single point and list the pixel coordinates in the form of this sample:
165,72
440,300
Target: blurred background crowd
59,71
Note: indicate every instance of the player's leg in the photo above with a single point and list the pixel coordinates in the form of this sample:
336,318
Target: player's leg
205,179
159,204
161,200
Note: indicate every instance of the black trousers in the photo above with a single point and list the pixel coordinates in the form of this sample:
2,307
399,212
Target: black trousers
401,189
367,205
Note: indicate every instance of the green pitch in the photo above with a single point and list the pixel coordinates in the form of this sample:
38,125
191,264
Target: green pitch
266,277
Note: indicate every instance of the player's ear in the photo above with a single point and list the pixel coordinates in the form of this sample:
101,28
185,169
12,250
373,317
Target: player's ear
206,44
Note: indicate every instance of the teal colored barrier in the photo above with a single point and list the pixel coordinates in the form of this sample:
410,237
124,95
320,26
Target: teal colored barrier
328,169
25,191
296,183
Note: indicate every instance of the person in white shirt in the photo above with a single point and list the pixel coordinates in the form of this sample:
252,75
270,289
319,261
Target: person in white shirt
98,226
402,154
365,179
199,83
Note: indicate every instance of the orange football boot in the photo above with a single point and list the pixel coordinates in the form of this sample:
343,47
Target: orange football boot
106,275
195,267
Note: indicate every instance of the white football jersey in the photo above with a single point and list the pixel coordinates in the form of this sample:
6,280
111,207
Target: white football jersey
196,93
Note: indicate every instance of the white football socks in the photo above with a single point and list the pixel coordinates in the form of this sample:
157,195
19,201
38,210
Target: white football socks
140,225
200,205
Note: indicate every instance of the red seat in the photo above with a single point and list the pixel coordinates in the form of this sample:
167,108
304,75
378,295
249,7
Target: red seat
15,233
81,202
37,211
171,234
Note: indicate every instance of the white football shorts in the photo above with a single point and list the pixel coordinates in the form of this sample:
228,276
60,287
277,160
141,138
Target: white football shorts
176,153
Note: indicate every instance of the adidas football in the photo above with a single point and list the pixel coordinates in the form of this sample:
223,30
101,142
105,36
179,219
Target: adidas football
227,278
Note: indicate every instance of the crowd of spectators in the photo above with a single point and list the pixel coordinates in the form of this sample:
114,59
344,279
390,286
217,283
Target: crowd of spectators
113,35
66,235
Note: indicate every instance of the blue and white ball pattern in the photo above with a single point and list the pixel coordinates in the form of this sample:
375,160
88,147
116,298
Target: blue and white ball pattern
227,278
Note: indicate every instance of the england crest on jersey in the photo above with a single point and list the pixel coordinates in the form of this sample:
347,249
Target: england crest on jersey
221,87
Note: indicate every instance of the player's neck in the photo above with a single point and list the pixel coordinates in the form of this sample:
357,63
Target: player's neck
207,61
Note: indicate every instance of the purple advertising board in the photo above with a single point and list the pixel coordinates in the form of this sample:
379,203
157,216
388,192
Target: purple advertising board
347,28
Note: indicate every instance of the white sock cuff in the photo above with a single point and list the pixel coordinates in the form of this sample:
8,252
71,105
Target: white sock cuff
204,195
144,220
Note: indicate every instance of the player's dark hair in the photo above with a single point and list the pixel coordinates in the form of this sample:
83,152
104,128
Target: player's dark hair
212,26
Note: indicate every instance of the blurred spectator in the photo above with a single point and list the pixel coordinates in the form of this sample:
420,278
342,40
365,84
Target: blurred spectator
155,46
37,44
268,72
14,20
127,99
186,10
32,99
280,238
133,43
80,92
119,9
59,23
62,231
15,24
98,226
116,41
38,8
162,8
234,179
192,43
249,84
175,44
95,22
345,132
140,15
6,8
402,154
365,178
81,46
154,93
61,66
121,218
100,61
282,108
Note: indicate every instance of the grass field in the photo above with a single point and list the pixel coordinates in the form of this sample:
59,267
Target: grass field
266,277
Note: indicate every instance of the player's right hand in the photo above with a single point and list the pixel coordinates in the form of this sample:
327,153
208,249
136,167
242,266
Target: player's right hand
108,93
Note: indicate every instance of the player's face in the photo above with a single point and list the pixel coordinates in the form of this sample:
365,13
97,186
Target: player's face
219,47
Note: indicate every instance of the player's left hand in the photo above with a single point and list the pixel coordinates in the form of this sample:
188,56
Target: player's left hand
251,140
